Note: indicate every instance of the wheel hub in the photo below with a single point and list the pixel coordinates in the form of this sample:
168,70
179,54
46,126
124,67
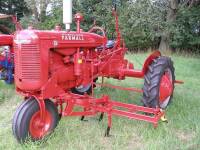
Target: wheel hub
166,87
38,128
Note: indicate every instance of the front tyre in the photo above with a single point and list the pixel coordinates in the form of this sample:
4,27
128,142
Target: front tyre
159,83
27,120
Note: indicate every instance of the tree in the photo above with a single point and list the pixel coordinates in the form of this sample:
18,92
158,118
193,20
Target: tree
39,9
168,24
54,17
186,29
141,24
12,7
172,33
170,19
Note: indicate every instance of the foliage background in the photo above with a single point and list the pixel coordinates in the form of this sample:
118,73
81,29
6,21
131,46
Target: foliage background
145,24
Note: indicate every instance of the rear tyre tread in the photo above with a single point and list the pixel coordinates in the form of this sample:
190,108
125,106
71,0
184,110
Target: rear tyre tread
152,81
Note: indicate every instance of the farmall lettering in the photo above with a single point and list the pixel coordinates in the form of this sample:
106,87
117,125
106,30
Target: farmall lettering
73,37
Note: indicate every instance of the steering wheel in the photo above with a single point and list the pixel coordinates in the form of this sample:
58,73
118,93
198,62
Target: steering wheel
93,29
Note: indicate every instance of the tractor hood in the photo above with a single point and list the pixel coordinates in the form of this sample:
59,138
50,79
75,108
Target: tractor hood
61,39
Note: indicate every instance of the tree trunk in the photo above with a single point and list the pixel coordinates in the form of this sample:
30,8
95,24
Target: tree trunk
35,11
38,8
164,43
170,18
43,8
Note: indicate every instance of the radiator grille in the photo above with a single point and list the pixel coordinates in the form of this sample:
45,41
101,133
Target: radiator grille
27,62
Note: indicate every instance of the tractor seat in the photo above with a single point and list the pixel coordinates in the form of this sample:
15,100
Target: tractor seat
109,44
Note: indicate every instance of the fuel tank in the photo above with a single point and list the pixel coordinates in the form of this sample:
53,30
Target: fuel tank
63,39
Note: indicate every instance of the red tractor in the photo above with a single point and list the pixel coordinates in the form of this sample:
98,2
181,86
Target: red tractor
56,71
6,50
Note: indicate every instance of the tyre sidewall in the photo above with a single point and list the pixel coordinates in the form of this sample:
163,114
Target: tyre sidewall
164,68
25,115
153,79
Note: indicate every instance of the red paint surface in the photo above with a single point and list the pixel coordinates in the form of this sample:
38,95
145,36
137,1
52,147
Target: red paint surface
39,128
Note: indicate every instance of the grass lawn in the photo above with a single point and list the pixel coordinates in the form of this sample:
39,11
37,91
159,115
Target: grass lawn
181,132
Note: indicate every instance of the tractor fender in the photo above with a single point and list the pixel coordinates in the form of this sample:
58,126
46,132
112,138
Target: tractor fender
149,60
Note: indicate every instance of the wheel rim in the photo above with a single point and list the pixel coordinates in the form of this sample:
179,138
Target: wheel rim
37,128
166,88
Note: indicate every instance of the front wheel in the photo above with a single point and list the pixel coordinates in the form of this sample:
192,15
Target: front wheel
27,120
159,83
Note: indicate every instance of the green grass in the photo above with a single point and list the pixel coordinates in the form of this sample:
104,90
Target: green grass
182,131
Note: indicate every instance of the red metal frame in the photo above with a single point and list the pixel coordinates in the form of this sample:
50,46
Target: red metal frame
91,106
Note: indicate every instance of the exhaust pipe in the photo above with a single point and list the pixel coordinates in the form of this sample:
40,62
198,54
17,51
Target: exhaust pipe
67,13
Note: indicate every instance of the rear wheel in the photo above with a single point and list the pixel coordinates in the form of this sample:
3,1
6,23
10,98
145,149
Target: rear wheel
27,120
159,83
